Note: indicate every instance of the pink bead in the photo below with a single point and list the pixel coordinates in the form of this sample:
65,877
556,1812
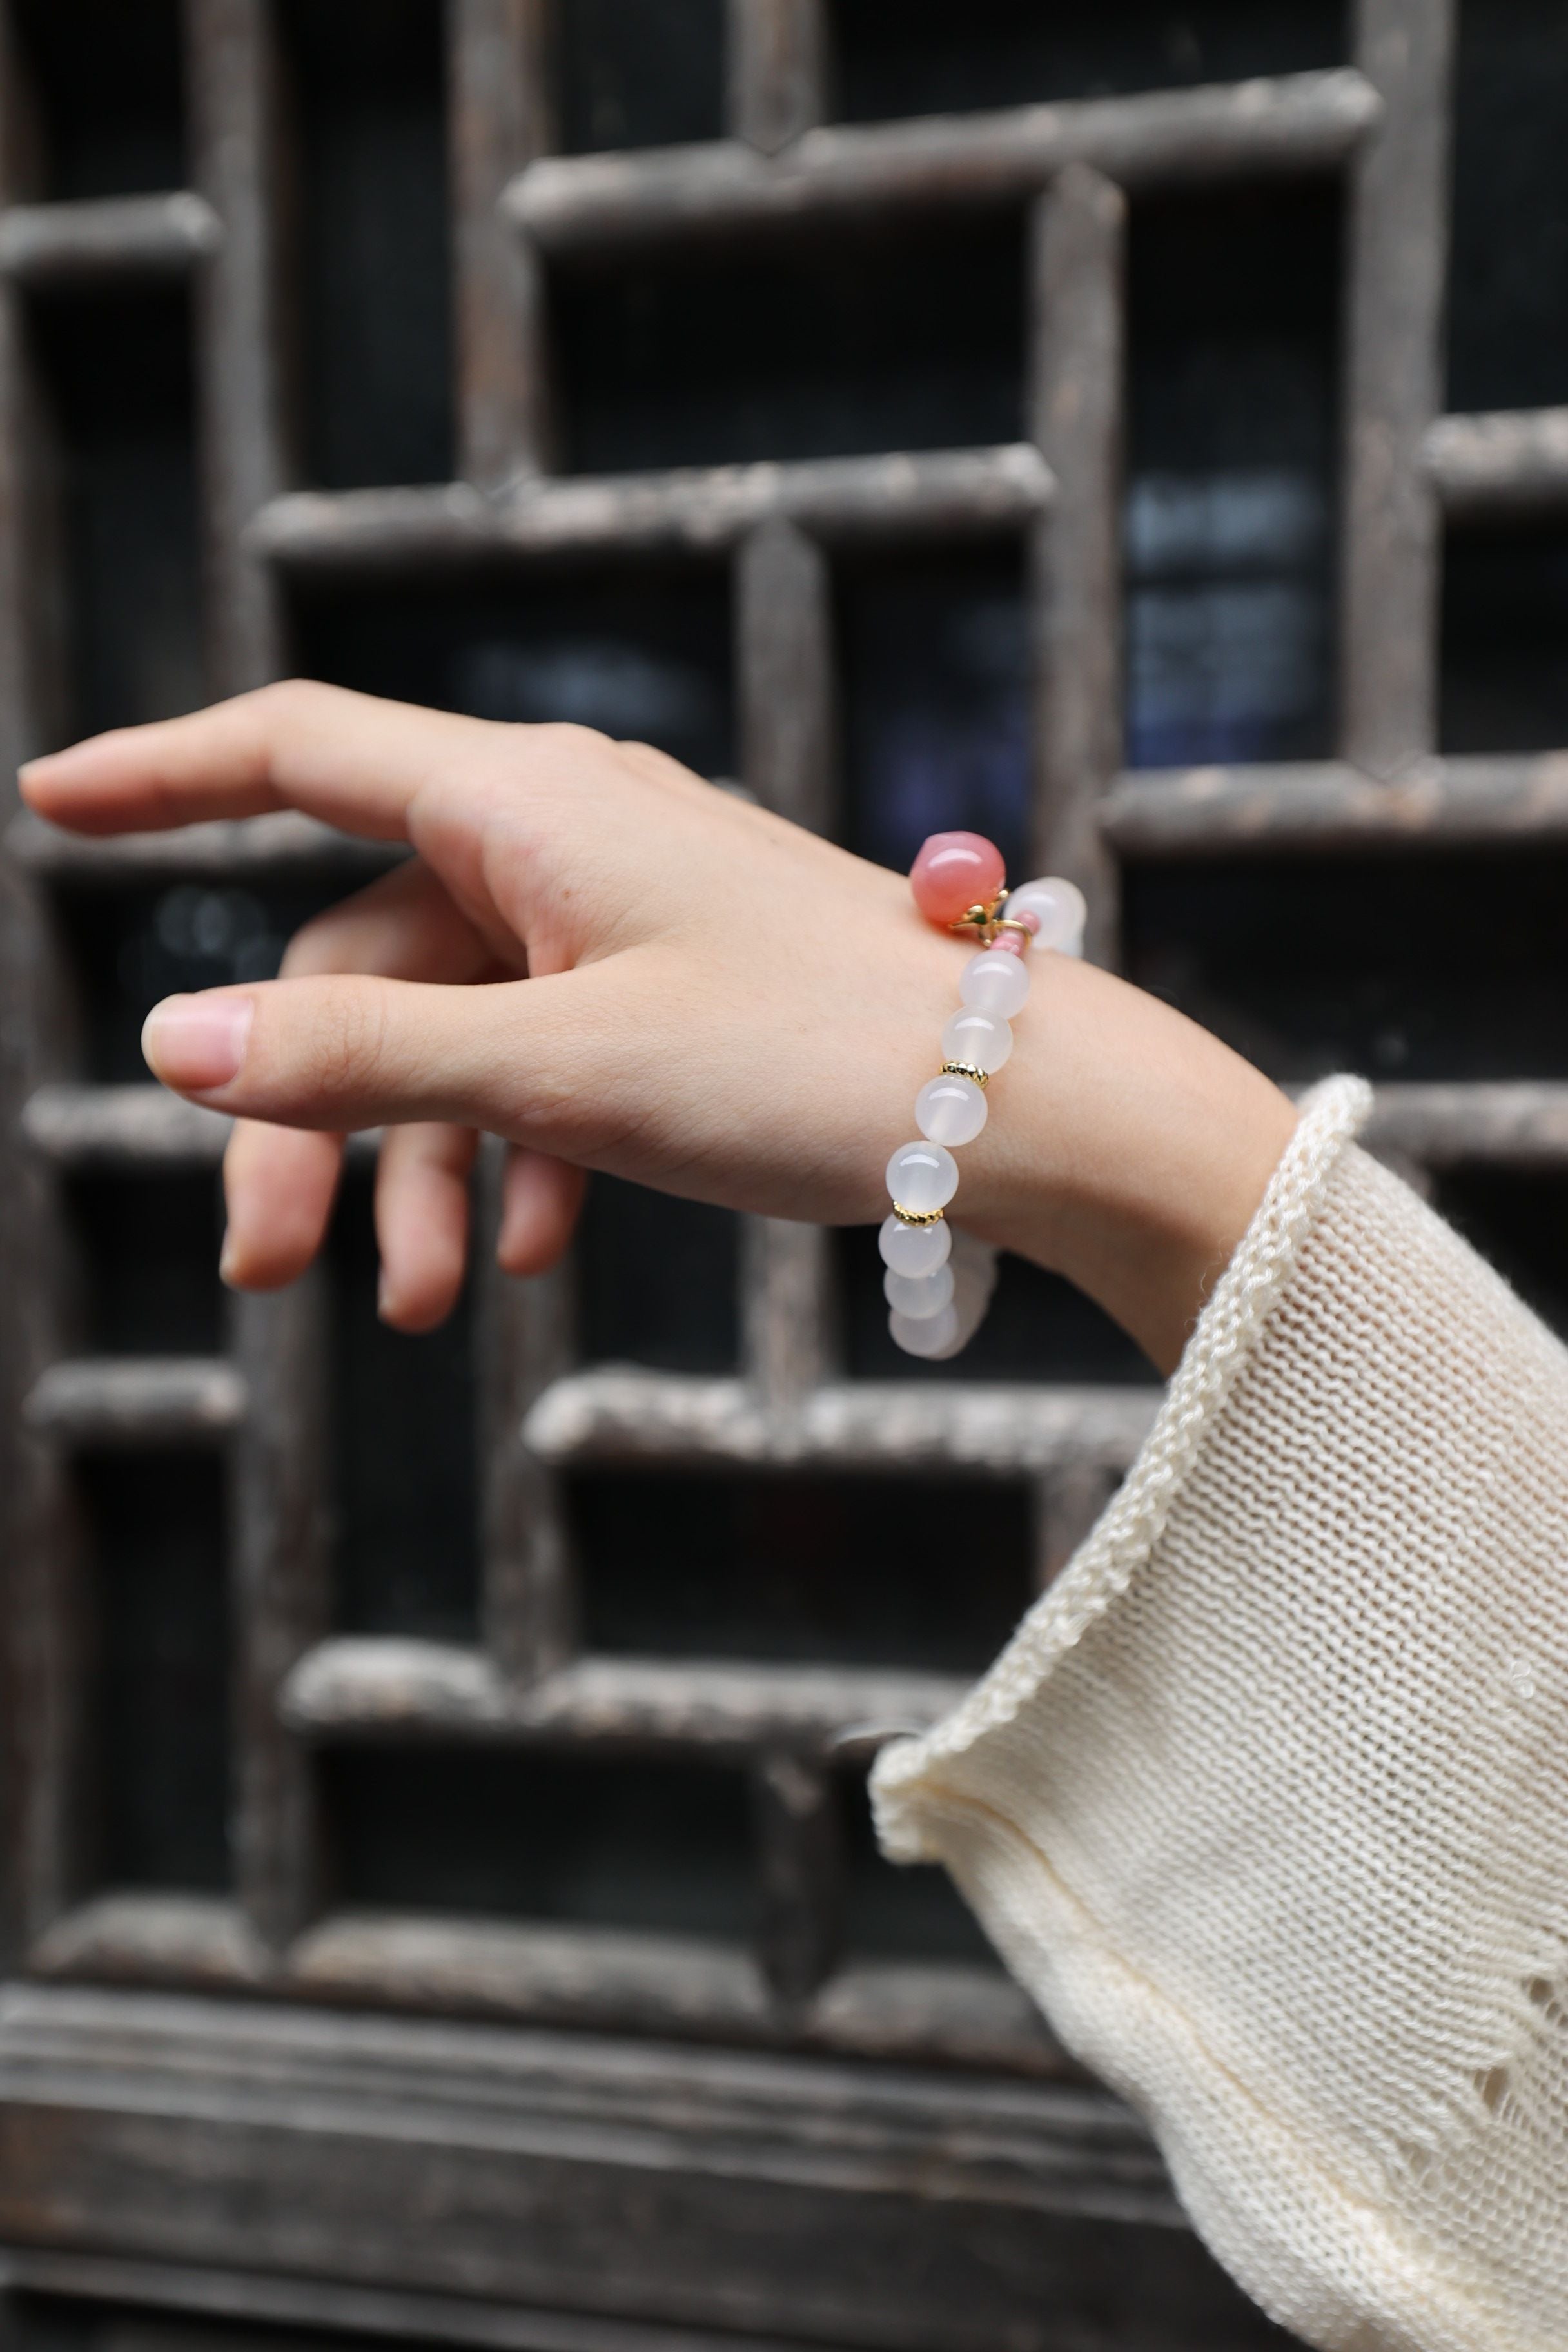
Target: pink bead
953,872
1008,943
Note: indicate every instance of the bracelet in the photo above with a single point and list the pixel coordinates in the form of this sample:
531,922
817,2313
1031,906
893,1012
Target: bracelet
938,1284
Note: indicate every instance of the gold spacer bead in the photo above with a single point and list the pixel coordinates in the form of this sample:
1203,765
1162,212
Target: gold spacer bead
916,1216
1006,923
967,1070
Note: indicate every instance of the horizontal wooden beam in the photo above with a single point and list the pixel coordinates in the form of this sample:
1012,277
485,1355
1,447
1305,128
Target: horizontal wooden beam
107,237
696,510
124,1401
549,1974
1326,805
259,849
125,1128
1301,122
381,1688
1522,1123
1509,466
617,1415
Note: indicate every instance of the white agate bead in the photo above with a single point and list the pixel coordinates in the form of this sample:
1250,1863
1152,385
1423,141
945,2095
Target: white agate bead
918,1295
949,1110
1060,907
978,1038
914,1249
922,1177
931,1335
994,983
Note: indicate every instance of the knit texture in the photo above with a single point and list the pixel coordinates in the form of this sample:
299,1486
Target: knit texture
1267,1801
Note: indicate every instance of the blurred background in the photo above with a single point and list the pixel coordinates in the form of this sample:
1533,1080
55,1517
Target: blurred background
442,1904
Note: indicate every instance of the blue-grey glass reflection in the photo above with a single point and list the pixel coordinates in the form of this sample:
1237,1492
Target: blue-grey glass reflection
1225,615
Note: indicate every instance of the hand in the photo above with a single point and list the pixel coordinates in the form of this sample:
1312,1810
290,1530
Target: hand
613,965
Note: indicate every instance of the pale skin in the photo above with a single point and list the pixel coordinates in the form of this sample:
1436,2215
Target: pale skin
605,961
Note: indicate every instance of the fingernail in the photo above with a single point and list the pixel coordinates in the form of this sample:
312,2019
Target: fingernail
197,1042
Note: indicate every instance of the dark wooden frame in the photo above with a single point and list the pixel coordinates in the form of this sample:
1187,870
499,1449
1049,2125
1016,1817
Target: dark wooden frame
77,2065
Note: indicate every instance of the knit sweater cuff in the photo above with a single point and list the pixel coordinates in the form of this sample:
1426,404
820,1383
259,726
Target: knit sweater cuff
1265,1802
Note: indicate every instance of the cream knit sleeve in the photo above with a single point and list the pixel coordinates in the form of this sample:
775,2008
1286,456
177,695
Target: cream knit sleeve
1267,1801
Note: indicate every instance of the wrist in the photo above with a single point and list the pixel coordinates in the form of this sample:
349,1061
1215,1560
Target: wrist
1133,1153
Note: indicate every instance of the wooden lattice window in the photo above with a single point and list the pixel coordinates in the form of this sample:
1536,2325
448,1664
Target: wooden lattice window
923,415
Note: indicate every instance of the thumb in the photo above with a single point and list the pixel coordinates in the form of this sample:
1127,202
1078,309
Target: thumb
348,1051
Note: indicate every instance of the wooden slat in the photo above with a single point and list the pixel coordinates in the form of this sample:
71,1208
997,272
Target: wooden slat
787,696
46,1719
1390,552
500,122
523,1342
107,239
1506,467
381,1688
286,846
123,1128
187,1939
232,2303
136,1401
182,2296
1327,805
248,423
1521,1123
548,1974
932,494
778,70
797,1819
1301,122
280,1602
1077,364
615,1416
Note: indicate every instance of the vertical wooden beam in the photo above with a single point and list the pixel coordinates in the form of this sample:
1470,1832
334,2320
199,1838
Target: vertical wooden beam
778,70
798,1823
1397,259
244,343
278,1539
45,1636
524,1339
1076,404
788,741
500,119
278,1544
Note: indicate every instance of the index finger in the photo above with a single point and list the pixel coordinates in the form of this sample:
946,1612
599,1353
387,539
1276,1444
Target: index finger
351,759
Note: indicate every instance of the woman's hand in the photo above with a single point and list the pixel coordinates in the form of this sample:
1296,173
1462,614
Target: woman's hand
602,959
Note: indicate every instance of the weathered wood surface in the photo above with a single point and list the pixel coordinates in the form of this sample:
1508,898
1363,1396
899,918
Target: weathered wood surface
1078,363
943,2012
1520,1123
184,2296
380,1687
279,847
1300,122
1397,254
1509,466
788,726
124,1128
1325,806
524,1336
682,2189
107,239
245,344
279,1540
137,1402
694,510
776,55
798,1823
500,120
617,1415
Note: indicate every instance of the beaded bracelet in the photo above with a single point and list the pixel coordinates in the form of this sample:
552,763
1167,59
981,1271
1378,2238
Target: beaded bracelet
939,1283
